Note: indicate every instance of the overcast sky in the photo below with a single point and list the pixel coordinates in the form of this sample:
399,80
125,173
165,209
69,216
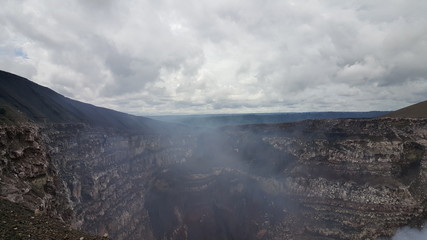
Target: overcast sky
222,56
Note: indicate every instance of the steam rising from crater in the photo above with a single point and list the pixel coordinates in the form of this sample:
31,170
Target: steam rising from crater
407,233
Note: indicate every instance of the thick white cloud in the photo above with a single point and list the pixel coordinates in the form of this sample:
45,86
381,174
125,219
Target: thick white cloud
203,56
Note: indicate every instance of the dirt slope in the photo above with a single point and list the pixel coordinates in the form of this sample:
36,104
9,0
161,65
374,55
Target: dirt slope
418,110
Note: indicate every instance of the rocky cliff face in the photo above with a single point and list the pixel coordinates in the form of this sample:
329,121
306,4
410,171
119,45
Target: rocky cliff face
324,179
329,179
108,173
350,179
27,174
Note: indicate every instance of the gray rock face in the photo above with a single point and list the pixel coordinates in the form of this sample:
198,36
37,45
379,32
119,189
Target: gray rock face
108,174
27,174
324,179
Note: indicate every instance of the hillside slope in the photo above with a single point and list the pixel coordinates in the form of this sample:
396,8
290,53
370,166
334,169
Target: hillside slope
41,104
418,110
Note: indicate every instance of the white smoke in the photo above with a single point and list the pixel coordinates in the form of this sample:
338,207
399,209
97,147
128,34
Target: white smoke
407,233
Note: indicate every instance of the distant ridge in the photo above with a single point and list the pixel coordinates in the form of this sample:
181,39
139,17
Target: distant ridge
418,110
41,104
219,120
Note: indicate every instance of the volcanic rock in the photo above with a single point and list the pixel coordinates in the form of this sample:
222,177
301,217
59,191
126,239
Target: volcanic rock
133,178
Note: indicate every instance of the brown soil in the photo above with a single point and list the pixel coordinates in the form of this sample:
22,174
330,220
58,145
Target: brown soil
18,222
418,110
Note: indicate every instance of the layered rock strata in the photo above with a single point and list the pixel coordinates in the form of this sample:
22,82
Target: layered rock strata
27,175
319,179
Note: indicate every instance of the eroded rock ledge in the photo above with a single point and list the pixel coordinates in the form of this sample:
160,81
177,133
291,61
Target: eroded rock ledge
319,179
